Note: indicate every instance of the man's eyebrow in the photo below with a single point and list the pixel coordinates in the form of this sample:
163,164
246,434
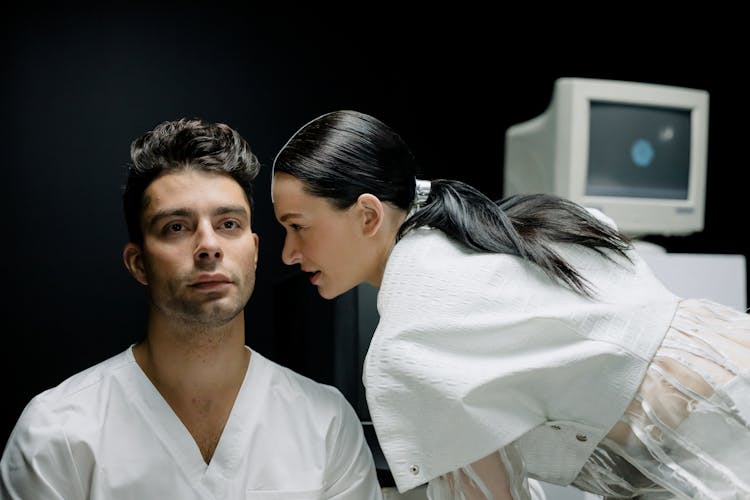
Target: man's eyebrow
231,209
161,214
186,212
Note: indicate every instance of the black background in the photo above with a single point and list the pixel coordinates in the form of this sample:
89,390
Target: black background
81,81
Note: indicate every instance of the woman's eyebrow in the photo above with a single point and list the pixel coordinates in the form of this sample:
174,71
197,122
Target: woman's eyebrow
288,216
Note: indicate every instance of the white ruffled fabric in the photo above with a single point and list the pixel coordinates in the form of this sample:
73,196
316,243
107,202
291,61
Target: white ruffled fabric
686,434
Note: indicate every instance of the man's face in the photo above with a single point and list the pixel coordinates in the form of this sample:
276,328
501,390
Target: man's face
199,253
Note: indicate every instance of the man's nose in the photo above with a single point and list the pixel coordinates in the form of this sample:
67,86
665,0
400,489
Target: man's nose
208,246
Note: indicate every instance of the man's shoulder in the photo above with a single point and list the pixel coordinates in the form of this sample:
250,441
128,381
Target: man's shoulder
74,404
82,386
292,386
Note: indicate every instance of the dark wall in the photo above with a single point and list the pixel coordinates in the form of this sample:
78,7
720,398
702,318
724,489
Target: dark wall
80,82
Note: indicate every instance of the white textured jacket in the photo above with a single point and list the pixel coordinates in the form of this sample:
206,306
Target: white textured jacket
474,351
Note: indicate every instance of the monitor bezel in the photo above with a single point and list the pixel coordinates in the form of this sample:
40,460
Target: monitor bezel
635,215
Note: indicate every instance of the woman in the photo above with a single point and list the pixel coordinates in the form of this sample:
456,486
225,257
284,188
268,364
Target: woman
519,339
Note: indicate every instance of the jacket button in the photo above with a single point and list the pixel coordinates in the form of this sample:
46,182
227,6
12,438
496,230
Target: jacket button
581,437
414,469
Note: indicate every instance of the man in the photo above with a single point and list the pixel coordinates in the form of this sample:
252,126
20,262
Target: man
189,412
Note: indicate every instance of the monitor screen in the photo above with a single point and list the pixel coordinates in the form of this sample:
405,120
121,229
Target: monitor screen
638,151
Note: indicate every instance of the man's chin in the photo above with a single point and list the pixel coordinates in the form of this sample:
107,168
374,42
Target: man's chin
214,313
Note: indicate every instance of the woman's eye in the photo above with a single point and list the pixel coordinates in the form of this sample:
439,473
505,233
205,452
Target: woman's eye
295,227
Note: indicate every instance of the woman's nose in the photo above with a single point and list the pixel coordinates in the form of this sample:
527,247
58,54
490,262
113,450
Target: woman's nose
290,255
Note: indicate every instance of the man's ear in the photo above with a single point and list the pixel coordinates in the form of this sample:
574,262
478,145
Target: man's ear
257,250
132,257
372,213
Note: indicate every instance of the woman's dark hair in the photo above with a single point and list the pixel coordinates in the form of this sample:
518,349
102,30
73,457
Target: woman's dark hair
181,145
343,154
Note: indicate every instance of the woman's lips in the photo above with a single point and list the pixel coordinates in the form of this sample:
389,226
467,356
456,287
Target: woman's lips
315,277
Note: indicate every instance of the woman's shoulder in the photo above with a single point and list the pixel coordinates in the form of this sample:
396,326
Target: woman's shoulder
427,254
425,247
427,271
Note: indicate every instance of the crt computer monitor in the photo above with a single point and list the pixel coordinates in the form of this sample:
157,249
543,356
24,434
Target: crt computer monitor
636,151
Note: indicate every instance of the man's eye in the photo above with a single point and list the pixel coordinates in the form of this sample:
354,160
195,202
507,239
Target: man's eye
230,224
175,227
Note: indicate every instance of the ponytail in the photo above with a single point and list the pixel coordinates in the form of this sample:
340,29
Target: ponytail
522,225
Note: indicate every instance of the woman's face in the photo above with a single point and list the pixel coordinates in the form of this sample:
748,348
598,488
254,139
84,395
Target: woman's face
325,241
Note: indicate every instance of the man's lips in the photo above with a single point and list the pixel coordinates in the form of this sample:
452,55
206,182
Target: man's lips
205,285
211,281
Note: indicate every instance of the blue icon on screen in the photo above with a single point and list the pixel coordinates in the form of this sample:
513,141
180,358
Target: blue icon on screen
642,153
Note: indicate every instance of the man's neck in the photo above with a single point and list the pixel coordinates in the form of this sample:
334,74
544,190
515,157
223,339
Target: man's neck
198,373
177,357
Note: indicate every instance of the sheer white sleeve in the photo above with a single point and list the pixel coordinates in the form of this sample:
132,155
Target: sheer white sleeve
498,476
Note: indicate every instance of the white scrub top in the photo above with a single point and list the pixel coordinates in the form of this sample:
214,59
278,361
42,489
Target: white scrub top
107,433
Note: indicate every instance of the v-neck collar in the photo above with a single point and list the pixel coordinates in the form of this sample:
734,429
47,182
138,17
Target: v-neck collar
176,438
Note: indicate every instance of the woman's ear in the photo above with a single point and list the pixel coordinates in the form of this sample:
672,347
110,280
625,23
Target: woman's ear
132,257
372,213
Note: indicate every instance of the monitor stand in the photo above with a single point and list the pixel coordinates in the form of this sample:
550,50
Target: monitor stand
718,277
643,246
